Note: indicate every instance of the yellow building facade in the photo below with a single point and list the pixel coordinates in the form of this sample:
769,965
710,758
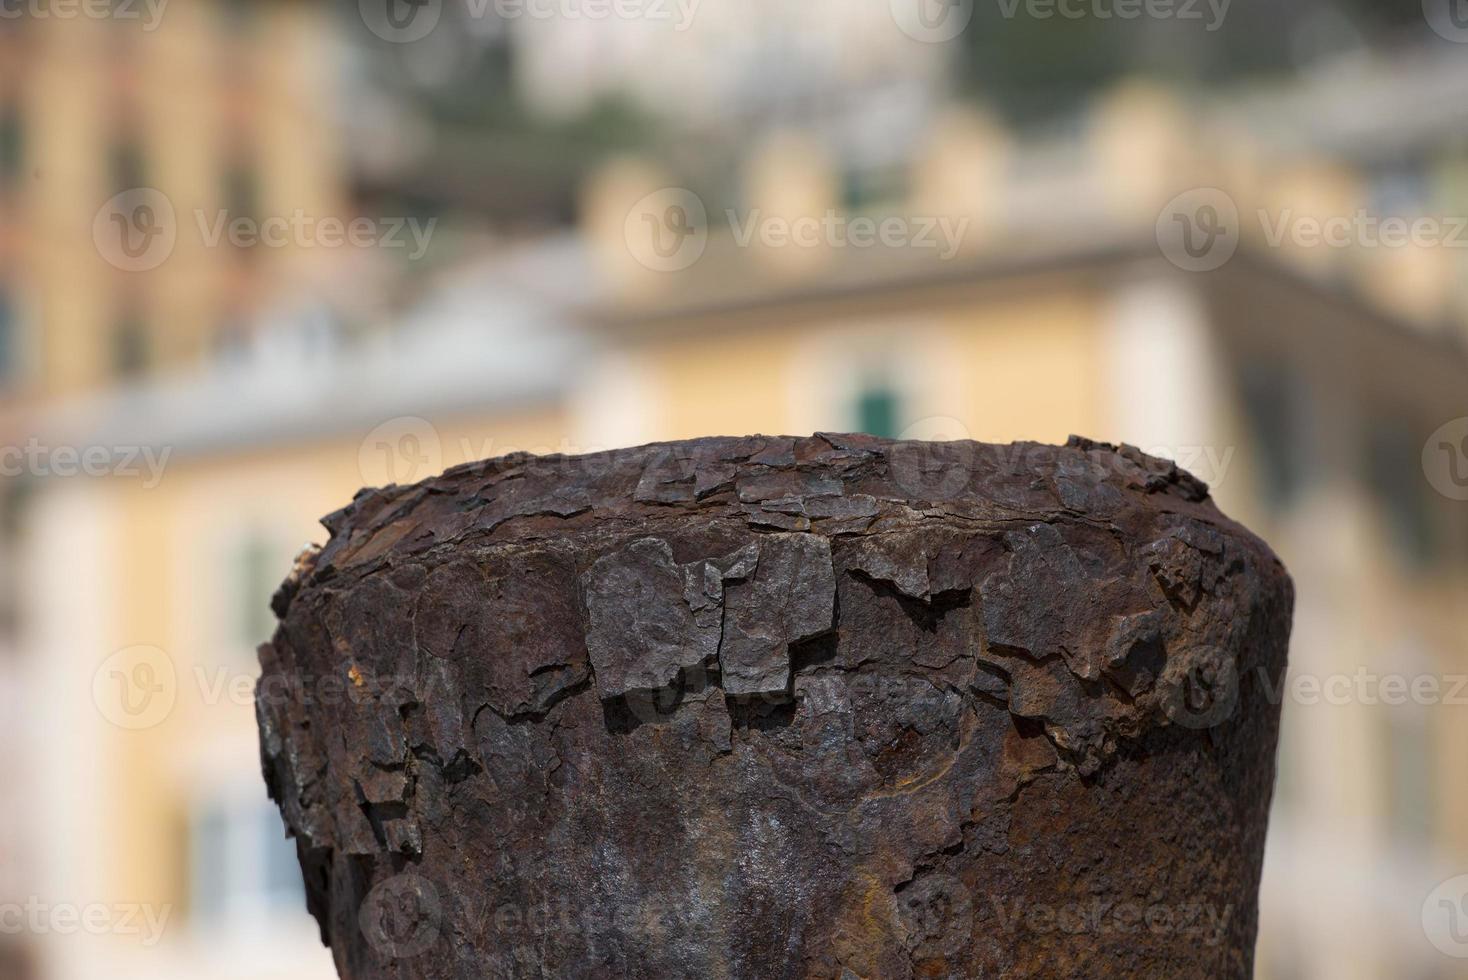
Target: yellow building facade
199,107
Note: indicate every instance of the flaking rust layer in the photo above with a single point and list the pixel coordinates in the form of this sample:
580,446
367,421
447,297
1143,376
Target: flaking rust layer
772,707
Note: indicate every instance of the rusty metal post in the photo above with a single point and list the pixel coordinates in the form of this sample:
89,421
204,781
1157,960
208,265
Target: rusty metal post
782,708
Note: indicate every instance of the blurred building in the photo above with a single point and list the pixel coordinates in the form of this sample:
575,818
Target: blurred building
126,132
1300,382
202,103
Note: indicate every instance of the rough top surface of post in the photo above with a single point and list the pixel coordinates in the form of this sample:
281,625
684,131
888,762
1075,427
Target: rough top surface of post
831,706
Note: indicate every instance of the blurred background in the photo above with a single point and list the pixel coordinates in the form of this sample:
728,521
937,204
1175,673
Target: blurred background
255,255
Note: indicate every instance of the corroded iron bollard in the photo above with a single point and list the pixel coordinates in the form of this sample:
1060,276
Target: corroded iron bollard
782,708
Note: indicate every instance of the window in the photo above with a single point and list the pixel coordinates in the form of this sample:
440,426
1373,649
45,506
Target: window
1409,773
1398,189
237,16
1394,473
8,339
242,869
877,408
257,574
1269,407
231,341
864,189
12,144
129,348
126,167
15,496
241,192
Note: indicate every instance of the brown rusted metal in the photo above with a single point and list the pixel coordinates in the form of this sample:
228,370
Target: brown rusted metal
775,707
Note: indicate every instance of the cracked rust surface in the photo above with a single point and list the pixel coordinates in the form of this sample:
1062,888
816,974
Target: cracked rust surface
778,707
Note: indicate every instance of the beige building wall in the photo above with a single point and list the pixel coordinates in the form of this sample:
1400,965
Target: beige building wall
163,569
215,91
